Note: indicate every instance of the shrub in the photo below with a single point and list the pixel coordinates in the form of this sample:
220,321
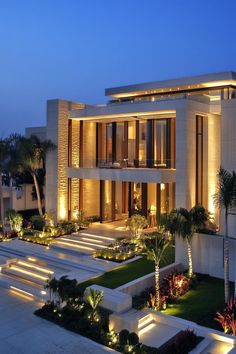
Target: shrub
38,222
123,337
133,339
66,227
182,343
15,220
227,318
175,285
29,212
136,224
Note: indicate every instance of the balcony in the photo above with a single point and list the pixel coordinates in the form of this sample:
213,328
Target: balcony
127,163
125,170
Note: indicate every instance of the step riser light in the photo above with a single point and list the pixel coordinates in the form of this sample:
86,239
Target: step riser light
75,246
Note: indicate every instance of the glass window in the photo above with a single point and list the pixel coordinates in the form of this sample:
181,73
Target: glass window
131,142
109,142
160,143
120,141
142,143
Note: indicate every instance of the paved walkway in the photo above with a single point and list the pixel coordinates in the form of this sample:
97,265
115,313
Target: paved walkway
21,332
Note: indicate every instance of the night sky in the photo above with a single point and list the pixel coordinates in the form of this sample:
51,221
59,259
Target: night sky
74,49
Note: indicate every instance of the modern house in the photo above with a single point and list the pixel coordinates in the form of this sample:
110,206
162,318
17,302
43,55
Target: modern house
152,147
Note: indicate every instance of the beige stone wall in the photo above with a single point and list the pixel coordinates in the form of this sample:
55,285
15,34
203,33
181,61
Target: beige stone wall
57,161
75,162
91,197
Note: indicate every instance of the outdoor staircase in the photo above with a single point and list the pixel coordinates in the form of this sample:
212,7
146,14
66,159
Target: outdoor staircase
136,321
27,276
145,323
82,242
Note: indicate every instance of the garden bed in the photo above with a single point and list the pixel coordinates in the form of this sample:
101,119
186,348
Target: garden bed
128,272
201,303
182,343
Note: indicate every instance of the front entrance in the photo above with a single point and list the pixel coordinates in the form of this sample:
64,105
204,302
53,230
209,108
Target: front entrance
119,200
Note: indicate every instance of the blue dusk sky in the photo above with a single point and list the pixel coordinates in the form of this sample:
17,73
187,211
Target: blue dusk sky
74,49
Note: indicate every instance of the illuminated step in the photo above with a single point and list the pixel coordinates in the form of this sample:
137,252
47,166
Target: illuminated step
147,328
32,267
22,273
21,293
89,239
78,242
73,246
105,238
143,322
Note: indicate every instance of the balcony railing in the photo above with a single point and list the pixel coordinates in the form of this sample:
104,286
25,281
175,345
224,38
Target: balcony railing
127,163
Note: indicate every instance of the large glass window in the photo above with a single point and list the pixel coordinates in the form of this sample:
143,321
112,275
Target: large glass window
131,143
120,141
142,143
160,143
109,142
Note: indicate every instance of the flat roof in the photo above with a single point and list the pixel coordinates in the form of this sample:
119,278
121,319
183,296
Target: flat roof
182,84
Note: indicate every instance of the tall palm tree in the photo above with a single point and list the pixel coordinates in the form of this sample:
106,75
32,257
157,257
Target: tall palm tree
3,157
155,252
225,198
30,154
185,223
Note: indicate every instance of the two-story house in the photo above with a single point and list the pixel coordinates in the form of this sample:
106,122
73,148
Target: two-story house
152,147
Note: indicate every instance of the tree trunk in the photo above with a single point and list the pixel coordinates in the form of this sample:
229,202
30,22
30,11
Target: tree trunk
226,259
190,259
1,199
38,194
157,286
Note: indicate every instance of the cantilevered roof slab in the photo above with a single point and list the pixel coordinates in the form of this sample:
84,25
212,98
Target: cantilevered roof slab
124,110
183,84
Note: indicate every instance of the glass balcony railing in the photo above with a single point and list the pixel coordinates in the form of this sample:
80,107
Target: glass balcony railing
127,163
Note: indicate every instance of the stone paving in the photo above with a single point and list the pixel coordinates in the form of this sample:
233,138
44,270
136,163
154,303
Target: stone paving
21,332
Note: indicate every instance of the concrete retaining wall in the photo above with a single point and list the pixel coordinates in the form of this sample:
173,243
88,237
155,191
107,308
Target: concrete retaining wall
207,254
136,286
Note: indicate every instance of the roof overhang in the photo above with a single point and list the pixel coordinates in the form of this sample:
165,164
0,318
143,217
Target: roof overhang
207,81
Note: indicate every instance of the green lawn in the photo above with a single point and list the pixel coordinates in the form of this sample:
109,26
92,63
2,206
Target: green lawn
128,272
201,303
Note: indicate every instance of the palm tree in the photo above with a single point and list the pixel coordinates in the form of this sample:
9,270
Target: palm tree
155,252
185,223
225,198
30,154
3,157
94,297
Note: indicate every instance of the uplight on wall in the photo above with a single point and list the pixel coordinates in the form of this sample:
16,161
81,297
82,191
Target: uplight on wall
163,186
62,209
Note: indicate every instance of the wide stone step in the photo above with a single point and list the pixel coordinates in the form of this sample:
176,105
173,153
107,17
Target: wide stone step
23,289
21,273
68,248
145,324
80,242
105,239
32,267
